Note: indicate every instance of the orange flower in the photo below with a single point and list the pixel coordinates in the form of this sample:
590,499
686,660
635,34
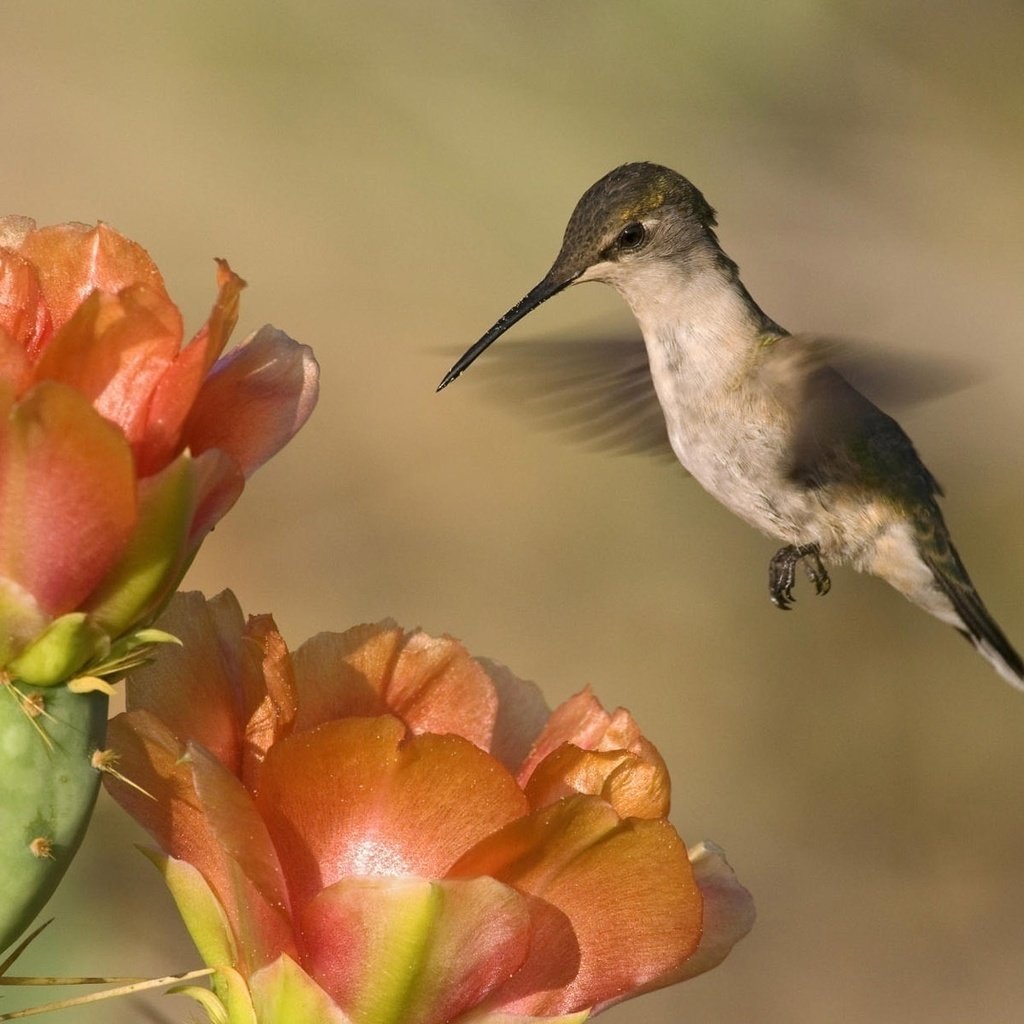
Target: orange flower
119,449
378,828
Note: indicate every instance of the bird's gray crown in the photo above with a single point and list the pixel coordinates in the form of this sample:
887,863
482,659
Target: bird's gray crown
631,193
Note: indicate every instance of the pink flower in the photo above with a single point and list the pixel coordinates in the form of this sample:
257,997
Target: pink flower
119,449
379,828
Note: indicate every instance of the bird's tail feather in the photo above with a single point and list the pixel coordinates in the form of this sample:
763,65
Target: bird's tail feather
976,624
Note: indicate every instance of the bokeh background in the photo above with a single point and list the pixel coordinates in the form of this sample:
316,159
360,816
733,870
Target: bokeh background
390,177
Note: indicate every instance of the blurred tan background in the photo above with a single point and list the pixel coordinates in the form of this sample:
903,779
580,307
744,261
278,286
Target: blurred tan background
390,177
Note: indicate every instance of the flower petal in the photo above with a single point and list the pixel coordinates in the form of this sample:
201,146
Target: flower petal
203,915
73,260
219,483
67,496
728,909
283,992
432,684
274,713
176,392
350,798
582,721
22,617
114,349
634,787
206,689
409,951
625,890
156,557
239,829
522,714
24,316
254,399
174,812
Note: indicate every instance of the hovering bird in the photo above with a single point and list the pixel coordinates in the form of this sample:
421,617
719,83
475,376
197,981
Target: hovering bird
761,418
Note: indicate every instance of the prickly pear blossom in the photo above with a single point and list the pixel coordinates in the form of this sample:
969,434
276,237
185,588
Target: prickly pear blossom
119,448
379,829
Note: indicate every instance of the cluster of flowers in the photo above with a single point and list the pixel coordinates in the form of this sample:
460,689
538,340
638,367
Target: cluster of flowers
375,828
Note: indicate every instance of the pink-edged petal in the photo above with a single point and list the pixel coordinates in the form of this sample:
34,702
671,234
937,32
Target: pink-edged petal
626,910
250,881
410,951
67,496
728,909
634,787
177,817
219,483
241,832
74,260
114,349
254,399
282,993
351,798
24,316
176,392
206,689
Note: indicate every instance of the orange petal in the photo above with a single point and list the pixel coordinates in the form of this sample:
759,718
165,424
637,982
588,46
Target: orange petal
15,369
254,399
634,787
339,675
186,827
410,951
625,889
432,684
176,392
583,722
73,260
350,798
150,756
24,316
274,712
114,349
206,689
67,496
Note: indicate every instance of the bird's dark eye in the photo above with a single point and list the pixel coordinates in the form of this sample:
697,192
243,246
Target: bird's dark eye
632,236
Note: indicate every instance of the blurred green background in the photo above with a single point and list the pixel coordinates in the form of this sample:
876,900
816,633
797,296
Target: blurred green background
390,177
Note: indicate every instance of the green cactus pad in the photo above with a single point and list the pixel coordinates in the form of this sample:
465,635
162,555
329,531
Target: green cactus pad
48,787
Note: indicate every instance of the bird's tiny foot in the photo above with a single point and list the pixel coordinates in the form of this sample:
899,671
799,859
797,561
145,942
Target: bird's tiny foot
816,571
782,573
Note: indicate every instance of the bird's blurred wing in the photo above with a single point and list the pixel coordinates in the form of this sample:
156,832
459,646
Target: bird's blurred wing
597,391
831,386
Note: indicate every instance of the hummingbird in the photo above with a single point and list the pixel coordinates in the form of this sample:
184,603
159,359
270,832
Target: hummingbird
761,418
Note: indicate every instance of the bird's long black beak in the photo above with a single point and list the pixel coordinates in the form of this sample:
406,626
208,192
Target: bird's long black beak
551,285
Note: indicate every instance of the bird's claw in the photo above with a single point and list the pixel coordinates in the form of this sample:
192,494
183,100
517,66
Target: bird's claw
782,573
